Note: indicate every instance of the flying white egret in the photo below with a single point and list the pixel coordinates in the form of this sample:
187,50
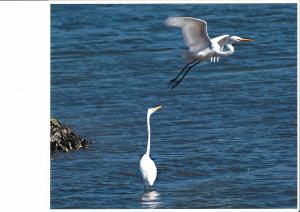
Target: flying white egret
201,47
147,166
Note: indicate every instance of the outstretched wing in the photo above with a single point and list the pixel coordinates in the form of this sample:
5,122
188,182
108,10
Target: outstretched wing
221,42
194,32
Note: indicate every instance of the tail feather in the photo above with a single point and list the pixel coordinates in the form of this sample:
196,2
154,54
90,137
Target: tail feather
214,59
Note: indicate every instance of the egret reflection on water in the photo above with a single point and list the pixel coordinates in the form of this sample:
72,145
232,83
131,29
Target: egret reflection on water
201,47
151,199
147,166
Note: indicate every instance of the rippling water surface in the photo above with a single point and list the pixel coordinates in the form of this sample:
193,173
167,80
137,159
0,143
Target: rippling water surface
225,138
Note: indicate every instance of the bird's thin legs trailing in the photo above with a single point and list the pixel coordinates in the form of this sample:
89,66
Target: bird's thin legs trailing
187,70
182,70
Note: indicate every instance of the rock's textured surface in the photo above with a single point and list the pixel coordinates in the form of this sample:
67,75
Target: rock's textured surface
63,139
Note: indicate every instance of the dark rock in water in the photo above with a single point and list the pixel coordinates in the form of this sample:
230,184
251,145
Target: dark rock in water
63,139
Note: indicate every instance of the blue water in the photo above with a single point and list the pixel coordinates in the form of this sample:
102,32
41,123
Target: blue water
226,137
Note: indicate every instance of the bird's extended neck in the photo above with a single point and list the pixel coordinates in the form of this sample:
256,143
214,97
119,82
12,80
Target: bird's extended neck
149,134
226,53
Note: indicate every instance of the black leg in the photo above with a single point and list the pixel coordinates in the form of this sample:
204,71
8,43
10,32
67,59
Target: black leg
182,70
147,189
189,68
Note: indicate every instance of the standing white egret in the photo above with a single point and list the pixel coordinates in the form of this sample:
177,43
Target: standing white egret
147,166
201,47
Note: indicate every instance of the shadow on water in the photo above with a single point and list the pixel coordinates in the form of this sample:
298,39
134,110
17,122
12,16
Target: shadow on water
151,199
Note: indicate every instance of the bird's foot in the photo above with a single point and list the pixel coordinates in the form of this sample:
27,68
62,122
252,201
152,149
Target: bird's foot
172,81
176,82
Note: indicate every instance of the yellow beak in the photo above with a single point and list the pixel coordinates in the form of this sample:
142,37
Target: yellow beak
156,108
246,40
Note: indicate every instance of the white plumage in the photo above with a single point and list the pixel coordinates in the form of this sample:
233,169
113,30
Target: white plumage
194,32
148,170
147,166
201,47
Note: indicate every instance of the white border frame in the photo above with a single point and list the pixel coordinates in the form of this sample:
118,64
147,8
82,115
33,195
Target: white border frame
25,101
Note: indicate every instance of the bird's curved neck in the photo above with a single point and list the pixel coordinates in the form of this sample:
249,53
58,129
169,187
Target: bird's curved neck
226,53
149,133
